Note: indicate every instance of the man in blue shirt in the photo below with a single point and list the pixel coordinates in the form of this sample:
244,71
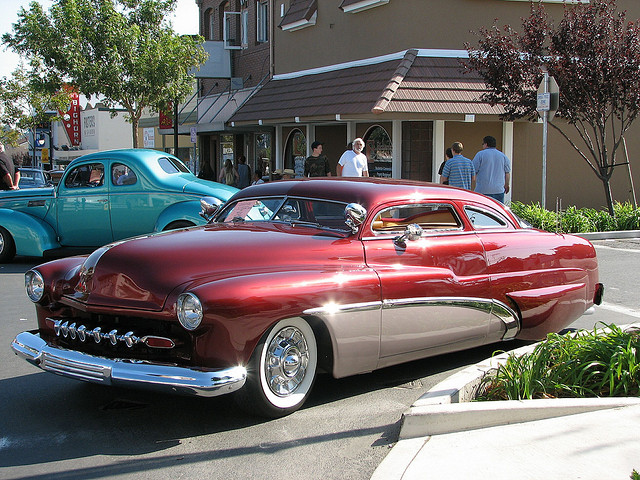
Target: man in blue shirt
458,171
493,170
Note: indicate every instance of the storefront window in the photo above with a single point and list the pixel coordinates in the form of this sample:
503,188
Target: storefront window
295,154
263,153
378,149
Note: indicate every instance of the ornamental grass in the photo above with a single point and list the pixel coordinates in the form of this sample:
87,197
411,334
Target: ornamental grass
598,363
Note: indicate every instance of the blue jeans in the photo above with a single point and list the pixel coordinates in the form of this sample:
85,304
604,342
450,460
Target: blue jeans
497,196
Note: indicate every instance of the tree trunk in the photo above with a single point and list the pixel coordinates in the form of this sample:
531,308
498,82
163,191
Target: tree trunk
607,194
134,127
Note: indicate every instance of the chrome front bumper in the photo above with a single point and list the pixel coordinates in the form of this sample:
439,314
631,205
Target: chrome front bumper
127,373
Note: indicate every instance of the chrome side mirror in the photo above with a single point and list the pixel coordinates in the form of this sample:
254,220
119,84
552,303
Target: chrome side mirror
209,206
354,214
412,232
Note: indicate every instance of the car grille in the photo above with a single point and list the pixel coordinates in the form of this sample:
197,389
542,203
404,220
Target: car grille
118,337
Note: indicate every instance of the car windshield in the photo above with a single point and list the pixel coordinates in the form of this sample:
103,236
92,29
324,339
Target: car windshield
296,211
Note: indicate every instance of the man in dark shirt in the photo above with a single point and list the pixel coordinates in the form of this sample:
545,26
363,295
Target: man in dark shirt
9,174
317,164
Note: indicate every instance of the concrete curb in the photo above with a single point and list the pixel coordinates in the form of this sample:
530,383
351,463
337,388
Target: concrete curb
460,417
448,406
610,235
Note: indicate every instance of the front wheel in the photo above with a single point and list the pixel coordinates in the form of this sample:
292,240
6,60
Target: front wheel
7,246
281,371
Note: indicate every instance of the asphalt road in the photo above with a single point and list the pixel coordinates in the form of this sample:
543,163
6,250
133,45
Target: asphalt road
57,428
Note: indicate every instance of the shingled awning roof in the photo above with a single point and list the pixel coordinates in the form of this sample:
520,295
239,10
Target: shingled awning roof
392,86
301,13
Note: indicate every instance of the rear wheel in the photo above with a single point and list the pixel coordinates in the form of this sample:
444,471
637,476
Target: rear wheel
281,371
7,246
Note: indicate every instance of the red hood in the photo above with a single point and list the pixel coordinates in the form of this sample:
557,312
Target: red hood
140,273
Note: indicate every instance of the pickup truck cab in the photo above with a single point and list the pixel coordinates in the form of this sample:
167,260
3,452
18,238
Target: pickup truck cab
104,197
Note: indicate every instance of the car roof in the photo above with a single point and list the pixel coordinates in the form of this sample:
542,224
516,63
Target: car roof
366,191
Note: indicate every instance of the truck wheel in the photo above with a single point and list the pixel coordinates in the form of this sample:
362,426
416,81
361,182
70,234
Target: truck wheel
7,246
281,371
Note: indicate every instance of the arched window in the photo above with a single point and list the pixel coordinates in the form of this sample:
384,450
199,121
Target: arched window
207,25
378,149
296,151
224,7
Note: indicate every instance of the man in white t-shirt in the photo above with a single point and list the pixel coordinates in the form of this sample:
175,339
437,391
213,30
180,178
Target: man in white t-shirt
353,163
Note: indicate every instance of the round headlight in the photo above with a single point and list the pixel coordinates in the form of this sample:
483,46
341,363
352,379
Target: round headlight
34,283
189,311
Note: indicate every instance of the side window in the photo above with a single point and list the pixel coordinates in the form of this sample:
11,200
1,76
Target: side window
88,175
432,216
483,219
122,175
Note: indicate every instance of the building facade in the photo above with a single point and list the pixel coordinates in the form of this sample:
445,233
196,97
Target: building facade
388,71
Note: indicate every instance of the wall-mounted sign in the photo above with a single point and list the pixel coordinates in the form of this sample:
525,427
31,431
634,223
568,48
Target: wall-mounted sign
71,118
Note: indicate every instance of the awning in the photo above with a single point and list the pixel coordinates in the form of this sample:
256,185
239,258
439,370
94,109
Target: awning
407,84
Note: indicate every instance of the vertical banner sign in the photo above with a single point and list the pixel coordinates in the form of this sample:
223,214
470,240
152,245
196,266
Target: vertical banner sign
165,121
71,118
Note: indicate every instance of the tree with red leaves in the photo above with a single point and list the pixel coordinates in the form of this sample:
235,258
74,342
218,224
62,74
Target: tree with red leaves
594,55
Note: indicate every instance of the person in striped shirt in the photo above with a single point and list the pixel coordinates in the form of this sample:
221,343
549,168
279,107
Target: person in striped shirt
459,171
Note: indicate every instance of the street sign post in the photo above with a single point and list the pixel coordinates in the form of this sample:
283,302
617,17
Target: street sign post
547,104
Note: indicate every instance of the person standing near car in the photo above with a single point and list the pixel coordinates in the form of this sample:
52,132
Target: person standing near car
448,155
9,173
228,175
493,170
317,165
244,172
458,171
353,163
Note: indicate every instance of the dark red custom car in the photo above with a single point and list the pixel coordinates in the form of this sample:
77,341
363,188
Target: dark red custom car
295,277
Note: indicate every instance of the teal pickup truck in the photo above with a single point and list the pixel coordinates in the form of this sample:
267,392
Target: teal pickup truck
103,197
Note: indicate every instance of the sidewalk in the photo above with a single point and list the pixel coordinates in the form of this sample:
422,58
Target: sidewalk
445,436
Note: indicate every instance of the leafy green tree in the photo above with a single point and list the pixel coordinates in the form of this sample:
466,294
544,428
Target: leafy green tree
122,51
594,55
26,100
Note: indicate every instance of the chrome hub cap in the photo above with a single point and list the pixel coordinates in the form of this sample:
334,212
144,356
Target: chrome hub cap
286,362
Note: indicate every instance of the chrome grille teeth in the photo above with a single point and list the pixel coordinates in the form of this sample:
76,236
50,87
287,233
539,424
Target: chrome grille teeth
97,336
72,331
130,339
82,333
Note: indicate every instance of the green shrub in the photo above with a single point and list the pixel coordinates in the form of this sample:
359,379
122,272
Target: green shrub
574,220
537,216
579,220
589,364
627,217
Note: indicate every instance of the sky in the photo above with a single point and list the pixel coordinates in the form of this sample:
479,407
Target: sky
184,20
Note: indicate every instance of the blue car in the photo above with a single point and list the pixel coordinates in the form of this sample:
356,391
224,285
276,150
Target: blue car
103,197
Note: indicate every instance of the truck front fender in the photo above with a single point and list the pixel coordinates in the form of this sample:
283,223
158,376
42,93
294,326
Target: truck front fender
31,235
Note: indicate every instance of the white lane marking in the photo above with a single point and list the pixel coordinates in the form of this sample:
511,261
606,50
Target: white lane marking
620,309
605,247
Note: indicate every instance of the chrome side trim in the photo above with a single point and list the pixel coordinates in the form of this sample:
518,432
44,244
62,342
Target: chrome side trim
506,314
127,373
491,306
335,308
